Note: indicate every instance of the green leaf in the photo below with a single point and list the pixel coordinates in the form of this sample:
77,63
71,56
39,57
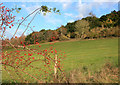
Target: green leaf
44,8
58,11
19,8
54,9
44,14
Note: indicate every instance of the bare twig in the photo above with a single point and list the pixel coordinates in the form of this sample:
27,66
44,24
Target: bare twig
29,23
25,19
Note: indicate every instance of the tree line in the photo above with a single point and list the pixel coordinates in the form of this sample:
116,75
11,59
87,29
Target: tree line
87,28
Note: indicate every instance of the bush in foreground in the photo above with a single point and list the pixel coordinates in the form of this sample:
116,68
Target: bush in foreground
107,74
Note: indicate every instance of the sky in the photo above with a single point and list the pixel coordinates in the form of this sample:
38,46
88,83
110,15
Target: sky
70,11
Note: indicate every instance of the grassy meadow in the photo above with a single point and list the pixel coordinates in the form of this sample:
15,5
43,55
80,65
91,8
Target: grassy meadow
80,53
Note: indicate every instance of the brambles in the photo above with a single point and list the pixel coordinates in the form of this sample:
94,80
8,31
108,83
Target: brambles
21,60
6,18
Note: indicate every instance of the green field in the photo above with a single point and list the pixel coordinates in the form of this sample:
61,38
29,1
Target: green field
90,53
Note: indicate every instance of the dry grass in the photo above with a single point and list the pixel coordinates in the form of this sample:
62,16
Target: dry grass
107,74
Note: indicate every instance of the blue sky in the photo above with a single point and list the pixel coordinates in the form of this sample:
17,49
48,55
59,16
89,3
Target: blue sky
70,11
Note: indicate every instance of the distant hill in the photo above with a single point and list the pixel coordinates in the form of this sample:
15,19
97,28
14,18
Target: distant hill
87,28
109,20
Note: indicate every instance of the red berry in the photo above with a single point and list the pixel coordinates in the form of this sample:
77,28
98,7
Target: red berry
21,42
55,51
4,28
33,58
3,7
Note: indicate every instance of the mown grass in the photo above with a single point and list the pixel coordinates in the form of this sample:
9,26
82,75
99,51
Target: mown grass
89,52
86,53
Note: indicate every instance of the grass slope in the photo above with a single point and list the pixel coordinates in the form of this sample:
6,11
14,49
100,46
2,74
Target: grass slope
90,53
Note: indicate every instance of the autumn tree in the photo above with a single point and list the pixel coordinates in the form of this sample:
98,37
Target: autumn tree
82,27
62,30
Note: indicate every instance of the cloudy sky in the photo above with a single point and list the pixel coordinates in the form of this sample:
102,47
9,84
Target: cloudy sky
71,10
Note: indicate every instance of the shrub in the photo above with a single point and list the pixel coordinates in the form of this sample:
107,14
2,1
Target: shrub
72,35
63,37
107,74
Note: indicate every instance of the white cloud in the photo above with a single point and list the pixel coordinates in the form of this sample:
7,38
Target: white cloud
58,0
65,0
106,0
71,21
23,5
30,8
51,19
73,16
68,14
10,32
65,5
84,9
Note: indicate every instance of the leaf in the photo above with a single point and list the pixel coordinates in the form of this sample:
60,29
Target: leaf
44,8
19,8
54,9
44,14
17,11
58,11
